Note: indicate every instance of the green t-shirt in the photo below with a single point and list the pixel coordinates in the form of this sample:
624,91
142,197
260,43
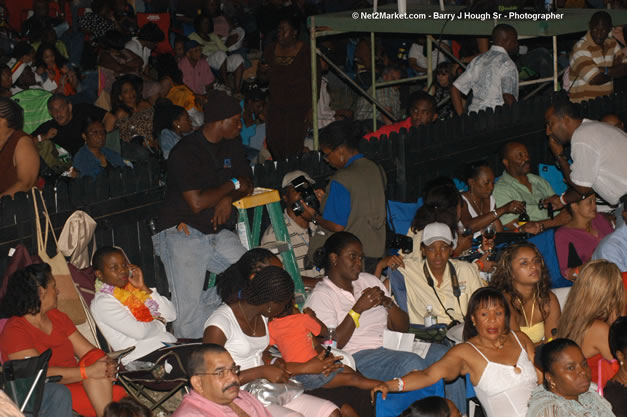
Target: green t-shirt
508,189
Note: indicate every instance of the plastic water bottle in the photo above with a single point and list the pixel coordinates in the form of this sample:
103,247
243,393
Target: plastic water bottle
331,339
430,318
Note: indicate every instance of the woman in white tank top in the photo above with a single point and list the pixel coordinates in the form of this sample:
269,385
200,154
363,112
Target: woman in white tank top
499,361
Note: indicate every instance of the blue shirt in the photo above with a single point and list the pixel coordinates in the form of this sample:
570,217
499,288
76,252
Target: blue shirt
247,132
338,206
89,166
167,139
613,247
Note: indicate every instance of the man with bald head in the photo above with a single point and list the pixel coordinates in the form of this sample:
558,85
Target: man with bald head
517,183
597,151
595,61
492,76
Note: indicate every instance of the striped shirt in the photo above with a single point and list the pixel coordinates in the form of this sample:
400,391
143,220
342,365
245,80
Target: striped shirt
299,238
34,102
587,60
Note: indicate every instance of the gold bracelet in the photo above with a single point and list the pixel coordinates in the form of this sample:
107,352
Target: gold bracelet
355,316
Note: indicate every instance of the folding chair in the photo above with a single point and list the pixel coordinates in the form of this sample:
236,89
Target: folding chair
23,380
165,373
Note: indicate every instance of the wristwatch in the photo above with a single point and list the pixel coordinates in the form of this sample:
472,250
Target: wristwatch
314,219
236,183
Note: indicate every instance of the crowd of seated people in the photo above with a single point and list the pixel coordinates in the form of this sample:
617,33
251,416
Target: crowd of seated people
98,54
193,108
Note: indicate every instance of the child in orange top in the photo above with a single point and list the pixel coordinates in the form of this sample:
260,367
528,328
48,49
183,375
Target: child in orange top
295,333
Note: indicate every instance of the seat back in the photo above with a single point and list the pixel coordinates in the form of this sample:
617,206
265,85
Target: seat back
400,215
562,295
545,242
553,176
23,380
397,402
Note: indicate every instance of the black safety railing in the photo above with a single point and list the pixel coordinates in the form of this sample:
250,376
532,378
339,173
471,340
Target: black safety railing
125,201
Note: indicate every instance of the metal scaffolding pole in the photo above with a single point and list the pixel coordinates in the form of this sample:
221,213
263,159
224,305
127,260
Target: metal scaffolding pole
314,84
373,72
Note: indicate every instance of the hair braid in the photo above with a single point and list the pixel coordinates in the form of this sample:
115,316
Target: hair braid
269,284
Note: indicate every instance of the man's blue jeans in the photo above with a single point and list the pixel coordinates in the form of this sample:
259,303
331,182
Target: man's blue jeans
186,259
385,364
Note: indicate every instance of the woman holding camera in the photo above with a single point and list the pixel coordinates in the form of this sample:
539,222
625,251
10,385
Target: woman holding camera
355,197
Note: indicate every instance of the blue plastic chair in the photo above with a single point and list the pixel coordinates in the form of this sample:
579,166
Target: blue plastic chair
545,243
470,390
553,176
400,215
397,402
399,289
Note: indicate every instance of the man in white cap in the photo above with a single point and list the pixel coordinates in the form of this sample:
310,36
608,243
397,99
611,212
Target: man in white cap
440,282
299,226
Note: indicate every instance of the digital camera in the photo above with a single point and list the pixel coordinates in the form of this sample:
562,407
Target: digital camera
400,242
307,194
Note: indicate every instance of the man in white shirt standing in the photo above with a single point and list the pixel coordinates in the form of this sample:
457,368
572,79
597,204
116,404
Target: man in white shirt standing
598,152
492,76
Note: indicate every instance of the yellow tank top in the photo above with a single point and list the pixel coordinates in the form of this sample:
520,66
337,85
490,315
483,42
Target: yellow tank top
535,331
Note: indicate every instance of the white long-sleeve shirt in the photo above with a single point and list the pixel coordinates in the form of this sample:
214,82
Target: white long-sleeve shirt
122,329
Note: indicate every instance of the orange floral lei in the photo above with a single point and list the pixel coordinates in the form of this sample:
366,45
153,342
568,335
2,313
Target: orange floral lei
139,302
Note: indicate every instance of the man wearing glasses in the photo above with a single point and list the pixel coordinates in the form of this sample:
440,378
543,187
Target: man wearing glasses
214,377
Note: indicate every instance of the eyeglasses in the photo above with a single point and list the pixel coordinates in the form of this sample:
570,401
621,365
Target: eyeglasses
235,370
327,155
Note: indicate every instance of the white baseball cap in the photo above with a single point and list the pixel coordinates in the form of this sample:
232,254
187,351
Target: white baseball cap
437,231
291,176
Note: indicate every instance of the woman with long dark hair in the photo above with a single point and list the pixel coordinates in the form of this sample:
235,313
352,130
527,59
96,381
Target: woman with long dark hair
524,279
50,63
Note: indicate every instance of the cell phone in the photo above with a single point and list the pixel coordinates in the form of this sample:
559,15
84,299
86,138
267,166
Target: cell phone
328,349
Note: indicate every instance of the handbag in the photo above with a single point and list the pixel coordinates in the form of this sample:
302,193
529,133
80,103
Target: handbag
69,301
269,393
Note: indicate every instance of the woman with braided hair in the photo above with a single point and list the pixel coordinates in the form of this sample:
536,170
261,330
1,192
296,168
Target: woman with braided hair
19,160
241,326
231,282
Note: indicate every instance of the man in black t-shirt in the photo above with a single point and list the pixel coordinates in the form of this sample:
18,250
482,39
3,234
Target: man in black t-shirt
66,127
207,171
